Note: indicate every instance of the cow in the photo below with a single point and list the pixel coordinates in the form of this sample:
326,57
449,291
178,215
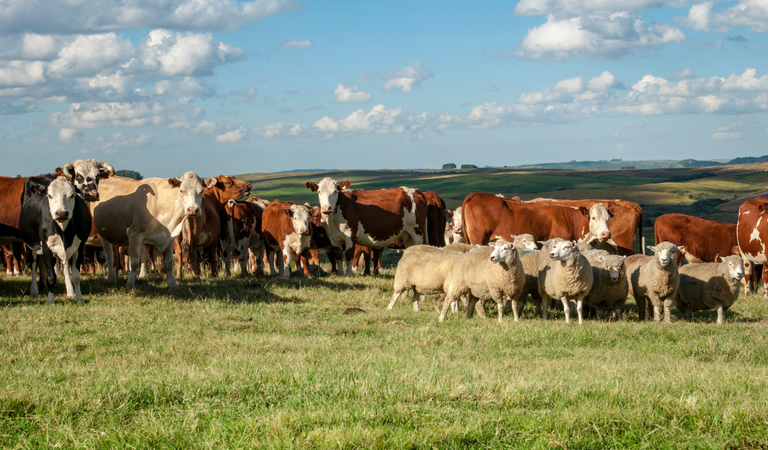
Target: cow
319,241
151,211
286,228
436,218
242,233
374,218
12,252
626,223
752,236
704,240
85,175
54,223
486,217
454,231
203,231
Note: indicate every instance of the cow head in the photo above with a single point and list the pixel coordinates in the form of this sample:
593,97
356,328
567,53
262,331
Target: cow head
85,175
562,250
300,216
230,188
666,252
614,265
190,192
598,220
456,221
503,252
327,193
61,199
735,266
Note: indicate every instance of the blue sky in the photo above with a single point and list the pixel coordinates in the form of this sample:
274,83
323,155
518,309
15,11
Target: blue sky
219,86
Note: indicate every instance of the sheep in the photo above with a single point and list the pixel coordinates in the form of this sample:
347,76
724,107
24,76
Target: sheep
525,242
610,286
533,261
655,279
494,272
425,272
709,286
459,247
567,277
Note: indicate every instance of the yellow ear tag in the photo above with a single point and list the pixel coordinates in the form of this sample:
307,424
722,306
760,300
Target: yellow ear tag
343,187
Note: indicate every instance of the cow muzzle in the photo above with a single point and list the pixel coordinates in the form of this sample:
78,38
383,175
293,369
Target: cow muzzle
304,232
326,210
193,211
91,195
605,235
62,215
457,230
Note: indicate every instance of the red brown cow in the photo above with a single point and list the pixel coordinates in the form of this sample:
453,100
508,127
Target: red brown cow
242,234
374,218
286,228
752,236
625,225
486,216
203,231
437,214
704,240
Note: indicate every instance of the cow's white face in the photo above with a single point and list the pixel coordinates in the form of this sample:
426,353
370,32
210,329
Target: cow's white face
299,215
561,250
735,266
503,251
456,221
327,193
191,192
85,174
61,201
666,252
598,221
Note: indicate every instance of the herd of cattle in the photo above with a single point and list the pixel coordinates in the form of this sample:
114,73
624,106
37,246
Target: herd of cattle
83,207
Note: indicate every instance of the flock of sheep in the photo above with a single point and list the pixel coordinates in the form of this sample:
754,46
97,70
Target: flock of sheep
568,271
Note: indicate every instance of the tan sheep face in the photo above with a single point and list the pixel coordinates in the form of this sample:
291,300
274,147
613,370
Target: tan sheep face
549,245
735,266
666,252
502,251
562,250
598,221
614,265
525,242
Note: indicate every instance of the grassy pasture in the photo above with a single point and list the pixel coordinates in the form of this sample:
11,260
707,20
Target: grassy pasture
265,363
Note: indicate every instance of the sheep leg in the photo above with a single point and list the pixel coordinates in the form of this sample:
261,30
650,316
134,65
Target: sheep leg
543,306
415,301
720,313
668,310
566,309
454,306
640,302
500,307
579,307
449,298
619,312
481,309
471,300
394,299
515,305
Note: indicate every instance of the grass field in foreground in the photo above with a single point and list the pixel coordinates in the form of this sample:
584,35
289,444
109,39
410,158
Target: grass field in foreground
230,363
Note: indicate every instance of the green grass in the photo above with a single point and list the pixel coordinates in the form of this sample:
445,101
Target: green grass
231,363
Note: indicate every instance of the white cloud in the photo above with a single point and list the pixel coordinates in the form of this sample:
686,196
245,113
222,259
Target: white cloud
614,36
73,17
571,8
232,137
491,88
172,54
100,115
726,135
115,142
747,13
378,120
351,94
682,75
405,79
280,129
69,135
290,45
21,73
205,127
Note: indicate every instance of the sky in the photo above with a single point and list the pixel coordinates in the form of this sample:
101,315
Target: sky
226,87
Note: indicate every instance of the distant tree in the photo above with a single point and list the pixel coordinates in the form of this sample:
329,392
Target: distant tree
627,167
468,166
449,166
129,174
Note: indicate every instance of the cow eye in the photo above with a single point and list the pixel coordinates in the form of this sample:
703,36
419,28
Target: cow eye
229,183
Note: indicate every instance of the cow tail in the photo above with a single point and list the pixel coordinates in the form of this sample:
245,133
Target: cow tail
640,234
464,228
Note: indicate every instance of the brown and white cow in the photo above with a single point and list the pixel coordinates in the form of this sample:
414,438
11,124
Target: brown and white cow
203,231
374,218
286,228
454,231
151,211
487,217
626,224
242,235
85,175
752,238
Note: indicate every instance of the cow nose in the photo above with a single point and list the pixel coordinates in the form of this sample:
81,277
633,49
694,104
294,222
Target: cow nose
247,186
326,210
192,210
303,231
62,214
605,235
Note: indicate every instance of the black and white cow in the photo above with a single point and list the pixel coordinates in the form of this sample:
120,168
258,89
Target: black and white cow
55,223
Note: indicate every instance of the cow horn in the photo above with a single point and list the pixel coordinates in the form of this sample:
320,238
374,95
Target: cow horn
107,167
69,170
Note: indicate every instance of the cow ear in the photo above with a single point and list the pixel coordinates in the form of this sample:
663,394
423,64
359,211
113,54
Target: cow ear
174,182
37,188
448,214
59,172
343,184
231,203
210,182
584,210
312,186
106,170
735,250
69,171
288,211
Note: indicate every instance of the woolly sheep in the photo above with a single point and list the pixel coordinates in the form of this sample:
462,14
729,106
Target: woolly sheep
525,242
655,279
610,286
709,286
568,277
424,272
487,272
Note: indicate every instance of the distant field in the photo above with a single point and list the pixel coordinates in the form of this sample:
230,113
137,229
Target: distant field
265,363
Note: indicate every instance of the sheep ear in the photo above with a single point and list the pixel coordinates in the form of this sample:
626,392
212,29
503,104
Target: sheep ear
679,249
492,243
652,248
720,258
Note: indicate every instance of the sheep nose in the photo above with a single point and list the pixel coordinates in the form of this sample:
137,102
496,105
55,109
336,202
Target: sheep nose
493,259
605,235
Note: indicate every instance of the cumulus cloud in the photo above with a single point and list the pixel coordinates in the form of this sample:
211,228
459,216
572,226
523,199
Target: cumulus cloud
491,88
115,142
99,115
378,120
405,79
280,129
746,13
78,17
290,45
69,135
570,8
232,137
684,74
351,94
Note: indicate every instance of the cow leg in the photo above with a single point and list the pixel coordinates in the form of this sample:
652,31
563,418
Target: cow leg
110,256
134,256
50,273
213,260
66,268
33,292
765,282
226,255
376,257
348,254
177,252
76,279
168,266
8,263
144,257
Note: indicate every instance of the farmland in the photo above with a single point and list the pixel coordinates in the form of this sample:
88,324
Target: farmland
268,363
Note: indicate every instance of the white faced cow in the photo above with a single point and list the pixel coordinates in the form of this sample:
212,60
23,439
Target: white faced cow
85,175
54,224
375,218
151,211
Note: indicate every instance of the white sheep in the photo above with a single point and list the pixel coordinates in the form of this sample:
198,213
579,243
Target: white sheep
487,272
709,286
425,271
654,279
525,242
568,277
610,286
